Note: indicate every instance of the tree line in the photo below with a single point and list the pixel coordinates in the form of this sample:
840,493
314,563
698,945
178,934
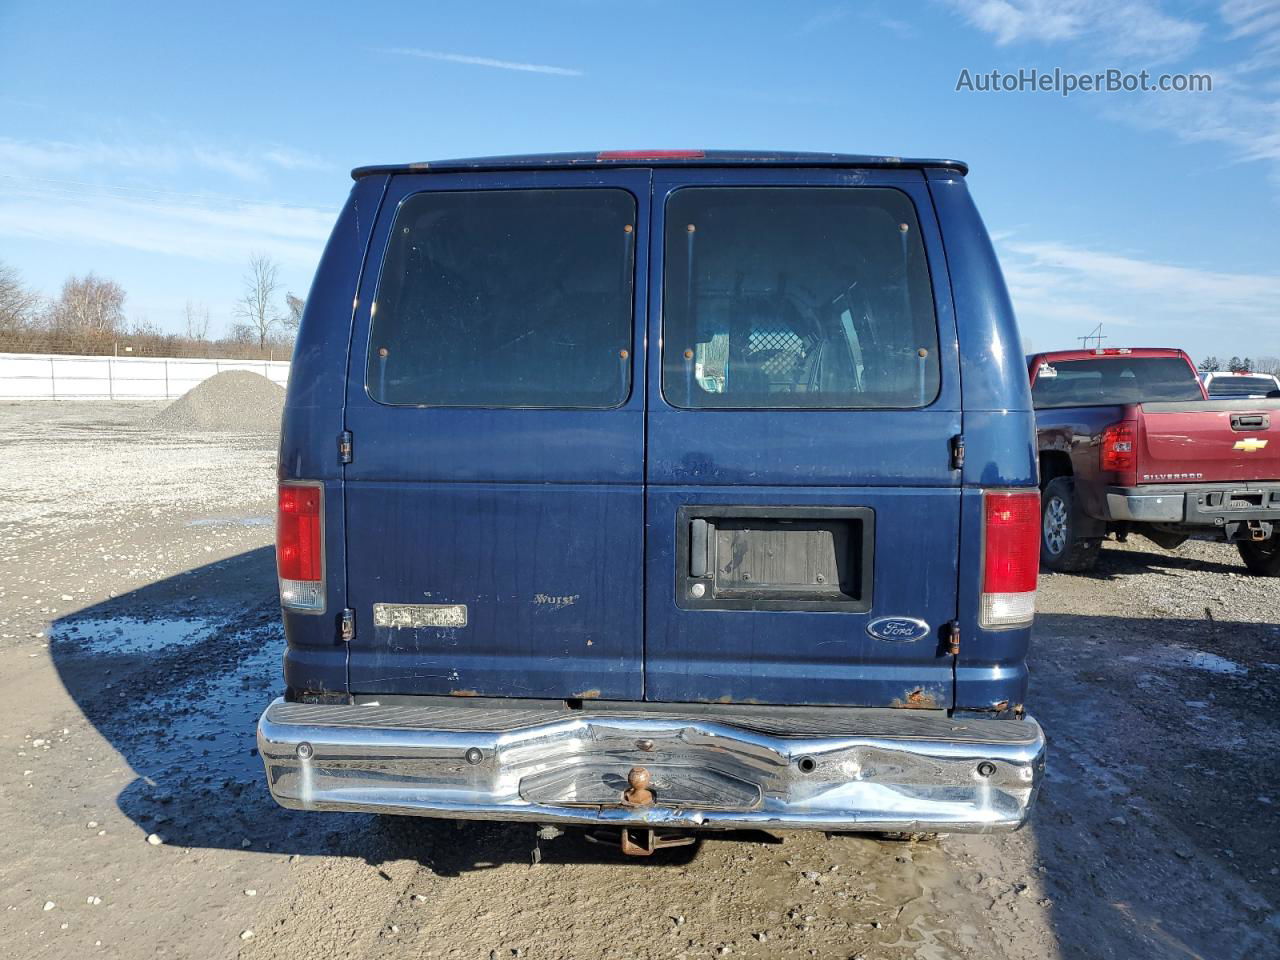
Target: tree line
1269,365
88,317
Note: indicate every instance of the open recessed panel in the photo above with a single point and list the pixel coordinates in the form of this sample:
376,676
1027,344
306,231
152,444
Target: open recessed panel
774,558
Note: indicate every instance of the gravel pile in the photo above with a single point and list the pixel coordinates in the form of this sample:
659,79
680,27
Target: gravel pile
233,401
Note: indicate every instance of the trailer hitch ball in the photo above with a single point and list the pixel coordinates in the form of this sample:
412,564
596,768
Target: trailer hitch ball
638,793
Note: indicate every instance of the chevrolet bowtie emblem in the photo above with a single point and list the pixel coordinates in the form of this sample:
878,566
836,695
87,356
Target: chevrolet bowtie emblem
1250,444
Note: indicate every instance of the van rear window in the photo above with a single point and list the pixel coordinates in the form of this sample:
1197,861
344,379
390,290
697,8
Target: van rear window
798,297
506,298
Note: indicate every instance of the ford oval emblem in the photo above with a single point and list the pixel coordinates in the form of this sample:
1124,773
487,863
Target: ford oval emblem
898,629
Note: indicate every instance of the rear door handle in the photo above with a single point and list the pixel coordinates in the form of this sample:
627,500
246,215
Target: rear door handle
698,548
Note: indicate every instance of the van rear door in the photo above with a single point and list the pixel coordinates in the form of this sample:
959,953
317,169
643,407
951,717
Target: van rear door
802,509
495,401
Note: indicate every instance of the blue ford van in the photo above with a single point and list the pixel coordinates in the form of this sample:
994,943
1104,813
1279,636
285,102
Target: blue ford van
657,491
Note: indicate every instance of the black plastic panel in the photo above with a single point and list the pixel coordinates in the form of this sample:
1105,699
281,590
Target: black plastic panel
774,558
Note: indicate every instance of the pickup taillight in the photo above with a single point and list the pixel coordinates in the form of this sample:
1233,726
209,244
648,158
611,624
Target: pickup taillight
1010,558
300,546
1116,452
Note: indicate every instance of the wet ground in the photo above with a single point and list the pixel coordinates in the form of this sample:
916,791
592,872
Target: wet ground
139,641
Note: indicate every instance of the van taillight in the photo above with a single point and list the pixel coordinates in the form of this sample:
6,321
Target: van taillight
1010,558
1116,453
300,546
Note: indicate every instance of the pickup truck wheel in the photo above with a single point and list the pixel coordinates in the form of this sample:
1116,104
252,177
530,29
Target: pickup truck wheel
1060,550
1262,559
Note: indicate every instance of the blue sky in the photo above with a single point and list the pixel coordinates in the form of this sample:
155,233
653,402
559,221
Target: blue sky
159,146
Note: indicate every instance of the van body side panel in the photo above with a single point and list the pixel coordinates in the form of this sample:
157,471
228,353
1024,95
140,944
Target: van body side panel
992,364
494,550
999,430
315,659
775,469
997,445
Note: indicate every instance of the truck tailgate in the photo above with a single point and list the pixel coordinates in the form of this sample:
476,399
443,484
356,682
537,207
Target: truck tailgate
1208,441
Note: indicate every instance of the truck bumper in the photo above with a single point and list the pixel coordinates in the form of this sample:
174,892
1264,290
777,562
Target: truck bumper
1197,505
1125,504
710,767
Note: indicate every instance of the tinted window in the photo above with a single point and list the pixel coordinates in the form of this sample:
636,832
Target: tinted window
1234,386
1082,383
506,298
796,297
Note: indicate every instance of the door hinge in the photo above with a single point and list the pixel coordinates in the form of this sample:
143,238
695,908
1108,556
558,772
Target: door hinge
957,452
344,446
347,625
951,638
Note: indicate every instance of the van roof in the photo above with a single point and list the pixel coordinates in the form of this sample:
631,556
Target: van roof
661,158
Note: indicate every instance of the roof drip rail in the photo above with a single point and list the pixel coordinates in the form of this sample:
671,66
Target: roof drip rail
656,158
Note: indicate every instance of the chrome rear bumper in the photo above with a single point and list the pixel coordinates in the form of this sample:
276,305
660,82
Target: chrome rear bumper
711,768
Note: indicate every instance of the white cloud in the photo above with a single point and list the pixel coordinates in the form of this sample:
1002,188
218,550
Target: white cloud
287,159
1257,21
902,28
484,61
43,158
56,156
211,230
221,161
1010,21
821,20
1241,113
1237,114
1133,28
1061,291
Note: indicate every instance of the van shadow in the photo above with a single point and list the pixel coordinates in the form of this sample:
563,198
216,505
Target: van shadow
175,674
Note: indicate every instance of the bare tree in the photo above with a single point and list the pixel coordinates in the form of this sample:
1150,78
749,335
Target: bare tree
88,306
18,305
197,317
142,327
294,319
257,307
242,334
1269,365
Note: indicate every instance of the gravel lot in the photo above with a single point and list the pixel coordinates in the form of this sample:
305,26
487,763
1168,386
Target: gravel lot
139,640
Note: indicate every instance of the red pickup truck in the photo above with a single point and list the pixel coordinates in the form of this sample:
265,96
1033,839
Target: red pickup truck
1129,442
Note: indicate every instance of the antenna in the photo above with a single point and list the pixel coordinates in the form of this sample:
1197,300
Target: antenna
1096,335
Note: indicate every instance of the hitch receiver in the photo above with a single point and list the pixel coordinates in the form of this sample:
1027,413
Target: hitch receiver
651,840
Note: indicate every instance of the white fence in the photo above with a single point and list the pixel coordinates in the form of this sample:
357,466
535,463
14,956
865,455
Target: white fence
61,377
